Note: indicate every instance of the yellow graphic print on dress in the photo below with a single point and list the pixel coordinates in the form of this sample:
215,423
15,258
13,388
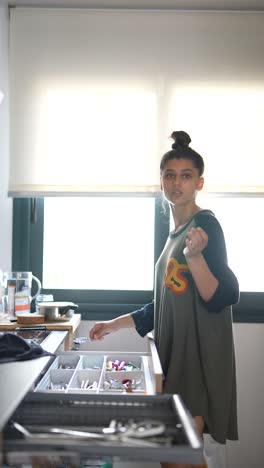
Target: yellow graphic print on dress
174,279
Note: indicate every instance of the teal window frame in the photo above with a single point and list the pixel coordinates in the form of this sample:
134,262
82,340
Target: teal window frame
27,255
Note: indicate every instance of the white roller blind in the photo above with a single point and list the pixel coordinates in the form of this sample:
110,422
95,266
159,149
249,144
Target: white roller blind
95,94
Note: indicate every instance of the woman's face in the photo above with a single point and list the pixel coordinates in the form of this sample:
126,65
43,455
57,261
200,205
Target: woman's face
180,182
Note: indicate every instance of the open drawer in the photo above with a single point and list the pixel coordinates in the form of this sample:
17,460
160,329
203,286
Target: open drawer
81,425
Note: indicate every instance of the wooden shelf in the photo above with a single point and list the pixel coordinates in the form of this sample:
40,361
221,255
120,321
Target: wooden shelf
69,325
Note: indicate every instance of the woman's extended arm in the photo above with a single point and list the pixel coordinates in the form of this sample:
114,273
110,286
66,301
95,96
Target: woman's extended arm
100,329
142,320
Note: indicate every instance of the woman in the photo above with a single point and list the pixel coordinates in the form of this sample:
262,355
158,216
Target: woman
191,313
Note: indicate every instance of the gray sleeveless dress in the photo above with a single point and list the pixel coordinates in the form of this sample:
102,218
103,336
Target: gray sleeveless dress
195,339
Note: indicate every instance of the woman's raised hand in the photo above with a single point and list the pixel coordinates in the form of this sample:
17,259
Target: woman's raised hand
196,241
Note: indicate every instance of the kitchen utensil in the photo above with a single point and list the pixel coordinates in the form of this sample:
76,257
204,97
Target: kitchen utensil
37,328
57,311
135,434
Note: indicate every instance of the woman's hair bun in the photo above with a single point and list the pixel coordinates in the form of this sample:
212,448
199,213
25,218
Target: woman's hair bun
180,138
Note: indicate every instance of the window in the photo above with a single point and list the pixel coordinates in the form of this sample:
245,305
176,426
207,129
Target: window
98,252
242,223
232,214
224,120
99,243
29,237
92,92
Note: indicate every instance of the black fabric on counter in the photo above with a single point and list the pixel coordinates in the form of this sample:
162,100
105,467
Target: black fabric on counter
15,348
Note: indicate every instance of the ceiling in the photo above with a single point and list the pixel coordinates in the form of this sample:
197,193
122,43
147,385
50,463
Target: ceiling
256,5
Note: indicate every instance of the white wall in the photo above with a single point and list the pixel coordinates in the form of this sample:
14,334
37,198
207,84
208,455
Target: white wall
5,203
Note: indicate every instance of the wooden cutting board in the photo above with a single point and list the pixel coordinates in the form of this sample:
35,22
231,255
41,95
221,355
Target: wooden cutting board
30,319
37,319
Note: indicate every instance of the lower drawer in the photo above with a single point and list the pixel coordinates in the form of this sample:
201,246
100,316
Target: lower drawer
105,426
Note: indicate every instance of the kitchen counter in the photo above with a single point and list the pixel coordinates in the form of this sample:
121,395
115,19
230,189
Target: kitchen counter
70,326
17,378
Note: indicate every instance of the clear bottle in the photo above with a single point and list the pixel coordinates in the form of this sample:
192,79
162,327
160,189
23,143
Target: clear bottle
3,298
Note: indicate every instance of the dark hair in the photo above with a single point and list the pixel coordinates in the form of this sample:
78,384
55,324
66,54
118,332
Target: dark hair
181,150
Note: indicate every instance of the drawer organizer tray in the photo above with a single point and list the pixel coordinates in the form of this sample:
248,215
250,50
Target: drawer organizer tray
97,373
